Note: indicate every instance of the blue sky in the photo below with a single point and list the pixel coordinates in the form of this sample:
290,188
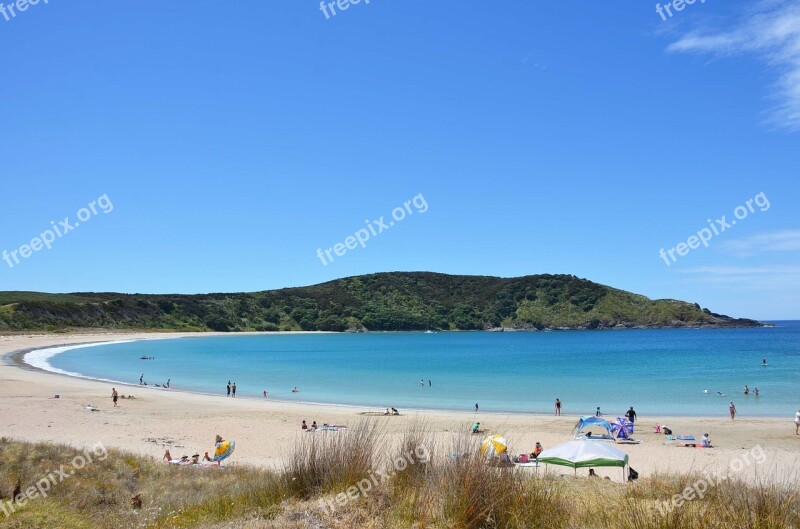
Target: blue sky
235,139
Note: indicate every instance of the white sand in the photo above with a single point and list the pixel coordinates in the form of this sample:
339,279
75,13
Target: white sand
265,430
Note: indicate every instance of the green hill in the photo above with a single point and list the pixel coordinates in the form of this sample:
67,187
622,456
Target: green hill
395,301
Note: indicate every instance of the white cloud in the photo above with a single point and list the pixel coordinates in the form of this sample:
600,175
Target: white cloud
772,31
779,241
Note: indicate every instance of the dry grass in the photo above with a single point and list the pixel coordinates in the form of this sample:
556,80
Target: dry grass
432,490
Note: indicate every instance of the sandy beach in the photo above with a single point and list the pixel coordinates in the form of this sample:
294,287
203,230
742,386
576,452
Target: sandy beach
264,430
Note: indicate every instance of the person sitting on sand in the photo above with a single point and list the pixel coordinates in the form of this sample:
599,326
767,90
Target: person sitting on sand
196,459
206,457
167,456
313,425
304,426
592,474
395,412
387,411
476,428
538,449
705,442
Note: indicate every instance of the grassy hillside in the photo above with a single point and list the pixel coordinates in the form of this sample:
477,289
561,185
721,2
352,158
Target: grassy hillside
377,302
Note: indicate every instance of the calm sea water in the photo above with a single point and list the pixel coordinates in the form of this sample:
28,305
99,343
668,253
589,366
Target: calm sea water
659,372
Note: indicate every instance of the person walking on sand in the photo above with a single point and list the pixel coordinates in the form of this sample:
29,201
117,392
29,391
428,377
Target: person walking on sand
558,407
631,415
114,396
229,388
141,379
732,409
476,407
233,389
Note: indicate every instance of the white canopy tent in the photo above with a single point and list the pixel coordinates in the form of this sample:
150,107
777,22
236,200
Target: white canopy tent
583,454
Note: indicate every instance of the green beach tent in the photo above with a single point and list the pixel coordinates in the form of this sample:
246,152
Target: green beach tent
584,454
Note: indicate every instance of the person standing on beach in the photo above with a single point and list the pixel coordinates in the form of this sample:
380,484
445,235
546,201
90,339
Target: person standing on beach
797,423
631,415
233,388
229,388
114,396
732,409
141,379
476,407
558,407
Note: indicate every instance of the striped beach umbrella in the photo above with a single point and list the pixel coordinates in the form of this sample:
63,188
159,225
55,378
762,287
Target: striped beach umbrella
494,445
224,450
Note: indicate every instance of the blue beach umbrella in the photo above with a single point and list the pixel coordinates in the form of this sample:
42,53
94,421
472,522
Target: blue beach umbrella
622,428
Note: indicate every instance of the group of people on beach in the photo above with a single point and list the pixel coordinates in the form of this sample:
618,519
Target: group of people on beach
232,389
195,459
143,383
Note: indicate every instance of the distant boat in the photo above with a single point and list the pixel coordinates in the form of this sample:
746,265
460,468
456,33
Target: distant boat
429,332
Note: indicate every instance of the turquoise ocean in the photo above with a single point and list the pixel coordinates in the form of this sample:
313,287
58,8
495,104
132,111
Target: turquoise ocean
659,372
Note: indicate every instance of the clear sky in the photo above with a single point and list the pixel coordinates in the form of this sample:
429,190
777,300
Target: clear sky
234,139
